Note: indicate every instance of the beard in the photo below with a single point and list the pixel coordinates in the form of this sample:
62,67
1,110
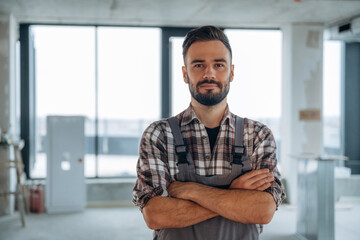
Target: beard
209,98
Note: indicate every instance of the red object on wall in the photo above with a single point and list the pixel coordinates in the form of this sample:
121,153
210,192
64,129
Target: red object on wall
37,199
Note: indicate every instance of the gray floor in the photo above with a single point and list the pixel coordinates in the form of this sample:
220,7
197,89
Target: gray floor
127,223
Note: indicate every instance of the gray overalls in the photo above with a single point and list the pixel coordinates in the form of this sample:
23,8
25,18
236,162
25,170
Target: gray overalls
217,227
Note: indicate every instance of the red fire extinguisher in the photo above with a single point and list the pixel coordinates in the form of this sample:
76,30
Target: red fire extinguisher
37,199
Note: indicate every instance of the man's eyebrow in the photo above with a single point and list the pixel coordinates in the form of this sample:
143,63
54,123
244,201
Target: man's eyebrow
197,61
220,60
215,60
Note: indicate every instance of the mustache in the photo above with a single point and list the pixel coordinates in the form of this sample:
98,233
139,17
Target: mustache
219,84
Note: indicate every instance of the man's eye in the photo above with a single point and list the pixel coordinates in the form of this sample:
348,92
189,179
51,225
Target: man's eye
219,65
198,65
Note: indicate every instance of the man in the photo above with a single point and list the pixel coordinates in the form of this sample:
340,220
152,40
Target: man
206,173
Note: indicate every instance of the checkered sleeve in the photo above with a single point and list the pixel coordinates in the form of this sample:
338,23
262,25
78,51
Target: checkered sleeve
264,155
153,175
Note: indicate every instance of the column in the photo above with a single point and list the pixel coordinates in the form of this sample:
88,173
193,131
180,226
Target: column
301,96
8,38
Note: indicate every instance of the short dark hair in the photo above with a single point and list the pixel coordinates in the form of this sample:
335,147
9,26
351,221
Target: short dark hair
205,33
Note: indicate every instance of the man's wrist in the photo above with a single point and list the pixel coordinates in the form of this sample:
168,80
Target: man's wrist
191,189
196,191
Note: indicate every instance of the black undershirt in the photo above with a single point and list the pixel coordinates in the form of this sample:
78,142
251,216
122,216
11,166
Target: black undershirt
212,133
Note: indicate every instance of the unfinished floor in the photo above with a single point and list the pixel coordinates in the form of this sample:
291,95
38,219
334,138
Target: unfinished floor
127,223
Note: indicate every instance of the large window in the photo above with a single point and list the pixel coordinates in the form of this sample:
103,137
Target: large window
109,75
112,76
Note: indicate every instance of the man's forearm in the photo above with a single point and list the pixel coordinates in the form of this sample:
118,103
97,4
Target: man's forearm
167,212
246,206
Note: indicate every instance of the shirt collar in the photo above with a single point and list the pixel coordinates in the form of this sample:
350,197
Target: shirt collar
189,115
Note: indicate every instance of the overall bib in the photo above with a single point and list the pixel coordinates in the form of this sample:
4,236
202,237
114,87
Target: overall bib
218,227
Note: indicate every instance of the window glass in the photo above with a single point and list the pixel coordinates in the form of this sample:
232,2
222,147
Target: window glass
129,94
331,95
180,90
65,83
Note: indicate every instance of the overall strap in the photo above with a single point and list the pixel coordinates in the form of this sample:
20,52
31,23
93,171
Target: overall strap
180,148
238,149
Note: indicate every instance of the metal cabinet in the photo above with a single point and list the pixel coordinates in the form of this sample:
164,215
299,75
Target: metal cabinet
65,183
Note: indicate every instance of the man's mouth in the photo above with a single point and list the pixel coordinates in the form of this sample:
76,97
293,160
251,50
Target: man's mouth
209,84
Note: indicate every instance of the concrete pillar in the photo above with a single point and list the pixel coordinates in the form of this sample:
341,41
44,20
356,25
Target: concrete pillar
8,38
301,90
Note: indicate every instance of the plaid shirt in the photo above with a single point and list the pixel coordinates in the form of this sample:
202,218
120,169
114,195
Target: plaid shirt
156,167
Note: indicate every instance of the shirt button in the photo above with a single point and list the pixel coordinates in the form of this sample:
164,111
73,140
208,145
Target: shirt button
207,157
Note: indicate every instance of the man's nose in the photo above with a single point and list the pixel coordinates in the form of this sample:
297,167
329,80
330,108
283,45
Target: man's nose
209,73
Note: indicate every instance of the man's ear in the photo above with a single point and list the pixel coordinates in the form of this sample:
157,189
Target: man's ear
232,73
185,76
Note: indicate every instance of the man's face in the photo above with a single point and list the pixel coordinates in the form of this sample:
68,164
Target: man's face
208,71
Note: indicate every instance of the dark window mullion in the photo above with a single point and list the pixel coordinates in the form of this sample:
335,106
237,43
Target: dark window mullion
166,87
96,106
27,96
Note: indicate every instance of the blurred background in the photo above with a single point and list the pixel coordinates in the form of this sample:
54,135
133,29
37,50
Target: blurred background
81,80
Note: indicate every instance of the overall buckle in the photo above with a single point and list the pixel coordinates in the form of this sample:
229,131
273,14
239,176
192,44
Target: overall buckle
238,152
181,152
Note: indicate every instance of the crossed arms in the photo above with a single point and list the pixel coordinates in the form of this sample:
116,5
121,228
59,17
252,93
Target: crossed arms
191,203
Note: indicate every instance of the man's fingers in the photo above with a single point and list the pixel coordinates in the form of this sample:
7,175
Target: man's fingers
261,178
254,173
264,186
253,179
263,181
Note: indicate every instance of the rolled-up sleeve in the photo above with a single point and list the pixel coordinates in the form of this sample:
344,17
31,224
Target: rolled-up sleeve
264,156
153,175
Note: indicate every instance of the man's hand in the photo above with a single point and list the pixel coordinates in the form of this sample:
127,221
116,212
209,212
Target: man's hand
242,203
255,180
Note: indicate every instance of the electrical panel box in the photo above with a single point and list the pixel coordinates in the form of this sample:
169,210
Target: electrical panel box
65,149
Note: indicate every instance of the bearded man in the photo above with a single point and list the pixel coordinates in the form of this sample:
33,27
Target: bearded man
207,173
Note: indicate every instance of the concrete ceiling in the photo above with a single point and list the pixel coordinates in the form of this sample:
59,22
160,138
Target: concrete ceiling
226,13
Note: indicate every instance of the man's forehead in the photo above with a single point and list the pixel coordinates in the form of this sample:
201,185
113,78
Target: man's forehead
213,49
